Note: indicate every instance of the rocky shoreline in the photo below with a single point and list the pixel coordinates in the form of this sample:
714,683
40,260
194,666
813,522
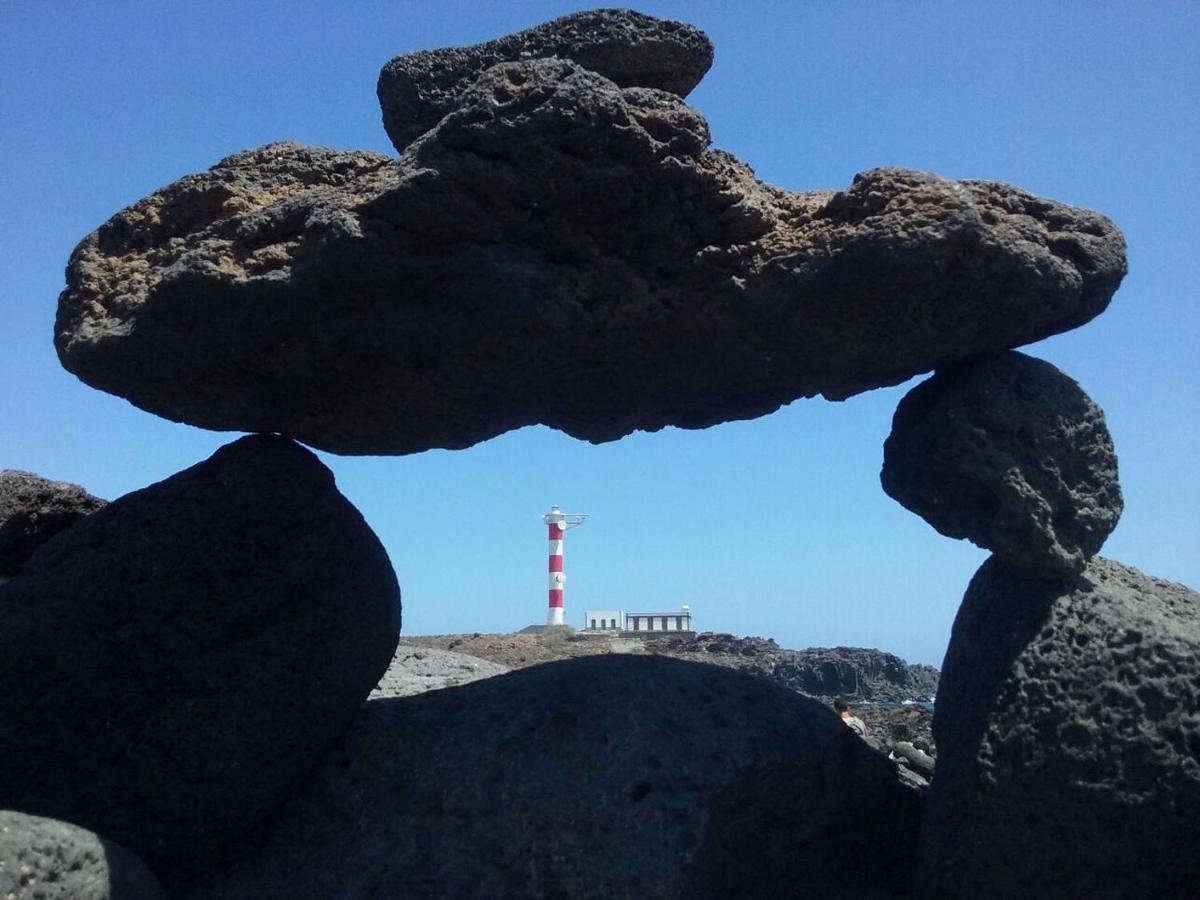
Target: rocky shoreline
888,694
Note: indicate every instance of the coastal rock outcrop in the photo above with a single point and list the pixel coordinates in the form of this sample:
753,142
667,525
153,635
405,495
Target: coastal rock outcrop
175,662
44,859
822,672
416,669
1012,454
630,49
606,776
1068,735
556,250
33,510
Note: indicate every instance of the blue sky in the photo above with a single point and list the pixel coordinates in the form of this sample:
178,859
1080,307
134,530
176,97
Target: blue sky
775,527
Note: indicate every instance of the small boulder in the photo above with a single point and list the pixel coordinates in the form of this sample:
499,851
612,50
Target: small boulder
604,776
33,510
174,663
1011,453
1068,735
44,859
629,48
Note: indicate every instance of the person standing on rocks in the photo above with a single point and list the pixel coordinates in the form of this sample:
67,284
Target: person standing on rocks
851,720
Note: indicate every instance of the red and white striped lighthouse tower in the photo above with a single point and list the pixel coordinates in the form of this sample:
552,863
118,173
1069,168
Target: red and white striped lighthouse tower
557,523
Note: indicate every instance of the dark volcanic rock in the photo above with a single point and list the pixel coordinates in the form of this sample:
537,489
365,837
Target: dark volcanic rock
633,50
174,663
33,510
556,250
1068,734
44,859
1011,453
824,672
608,776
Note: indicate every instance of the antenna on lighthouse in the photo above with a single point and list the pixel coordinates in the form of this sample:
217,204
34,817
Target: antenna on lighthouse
557,523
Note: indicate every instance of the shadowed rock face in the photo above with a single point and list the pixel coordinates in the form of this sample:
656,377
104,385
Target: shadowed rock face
1011,453
557,250
1068,735
626,47
174,663
44,859
606,776
33,510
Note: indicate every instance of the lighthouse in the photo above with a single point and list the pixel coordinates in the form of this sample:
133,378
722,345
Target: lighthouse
557,523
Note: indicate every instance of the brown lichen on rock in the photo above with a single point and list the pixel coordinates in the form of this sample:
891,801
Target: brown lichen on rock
557,250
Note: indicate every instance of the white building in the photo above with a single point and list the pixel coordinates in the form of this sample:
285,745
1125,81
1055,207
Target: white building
603,620
658,622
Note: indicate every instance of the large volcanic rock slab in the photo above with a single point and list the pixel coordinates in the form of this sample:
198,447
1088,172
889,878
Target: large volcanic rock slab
33,510
556,250
606,776
1068,735
1011,453
629,48
174,663
44,859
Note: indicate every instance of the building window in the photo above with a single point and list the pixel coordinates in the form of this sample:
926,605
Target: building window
593,623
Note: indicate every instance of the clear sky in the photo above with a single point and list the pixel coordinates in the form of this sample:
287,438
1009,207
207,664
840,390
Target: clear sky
775,527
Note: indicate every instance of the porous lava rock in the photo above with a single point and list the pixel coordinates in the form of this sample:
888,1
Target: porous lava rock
1068,735
605,776
630,49
174,663
33,510
1011,453
44,859
557,250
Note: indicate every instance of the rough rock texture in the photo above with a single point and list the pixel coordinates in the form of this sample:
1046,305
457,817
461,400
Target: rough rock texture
174,663
629,48
415,670
44,859
33,510
610,776
1068,731
1011,453
556,250
824,672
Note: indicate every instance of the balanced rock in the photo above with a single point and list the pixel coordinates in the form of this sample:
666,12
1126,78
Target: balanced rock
557,250
1011,453
604,776
33,510
631,49
174,663
44,859
1068,735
